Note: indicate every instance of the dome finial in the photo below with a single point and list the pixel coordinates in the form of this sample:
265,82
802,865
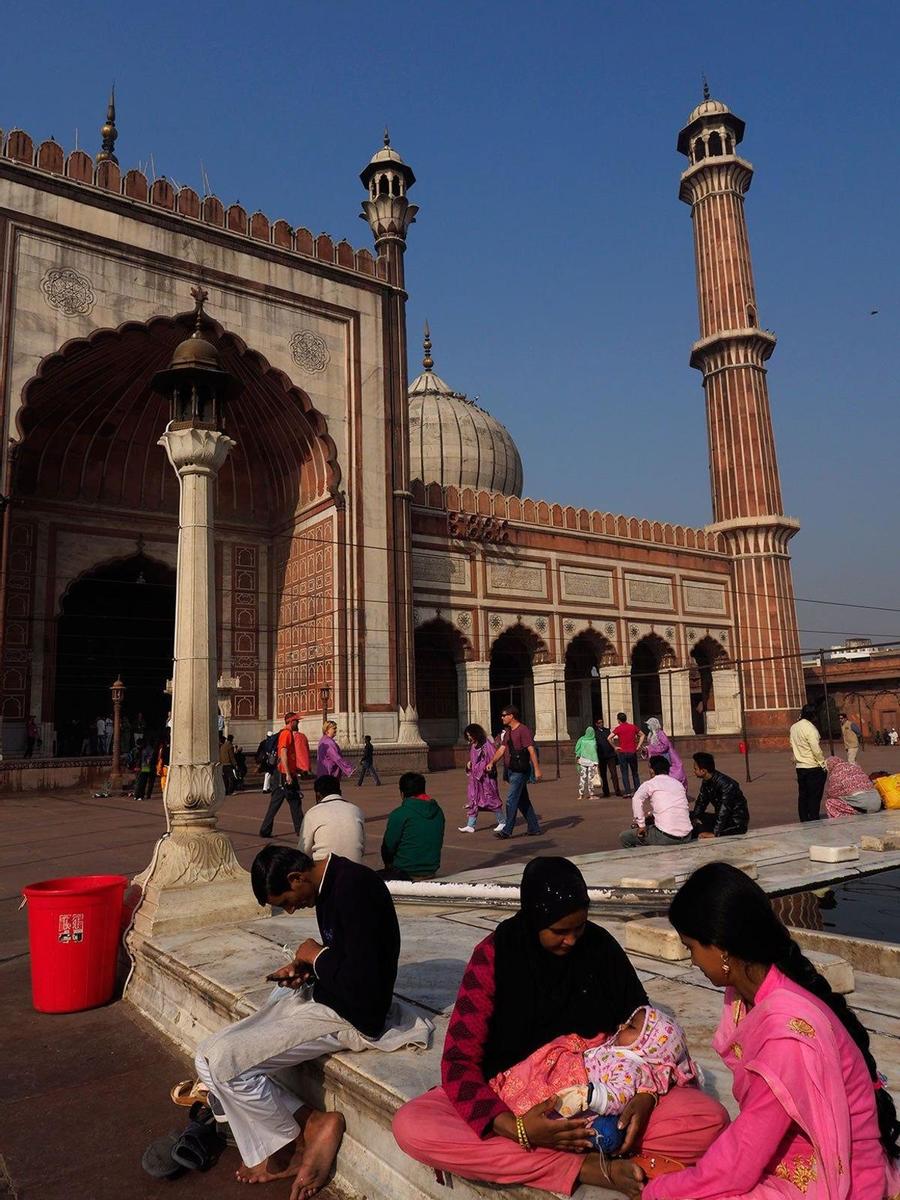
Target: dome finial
705,86
201,295
387,136
427,361
108,131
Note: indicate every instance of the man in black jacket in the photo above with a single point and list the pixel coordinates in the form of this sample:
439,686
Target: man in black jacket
336,994
730,814
607,763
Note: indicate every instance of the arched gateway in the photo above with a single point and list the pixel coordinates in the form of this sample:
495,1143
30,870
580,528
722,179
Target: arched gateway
92,484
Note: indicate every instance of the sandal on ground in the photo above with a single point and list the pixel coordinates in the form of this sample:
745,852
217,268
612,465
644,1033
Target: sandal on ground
157,1158
200,1146
185,1094
657,1164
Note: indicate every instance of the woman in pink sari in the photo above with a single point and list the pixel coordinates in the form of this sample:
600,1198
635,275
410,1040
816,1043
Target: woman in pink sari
816,1119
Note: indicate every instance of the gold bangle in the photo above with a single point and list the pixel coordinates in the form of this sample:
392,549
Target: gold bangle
522,1135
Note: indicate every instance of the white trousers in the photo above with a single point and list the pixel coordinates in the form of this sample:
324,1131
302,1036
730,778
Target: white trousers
259,1110
852,752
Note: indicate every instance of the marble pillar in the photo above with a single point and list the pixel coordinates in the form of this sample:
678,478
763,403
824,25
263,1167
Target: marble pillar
194,878
675,693
549,702
726,716
615,692
473,682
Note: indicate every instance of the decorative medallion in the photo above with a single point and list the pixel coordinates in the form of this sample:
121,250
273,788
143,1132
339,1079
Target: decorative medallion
68,292
309,351
670,633
610,630
802,1027
495,622
464,620
569,627
540,625
633,631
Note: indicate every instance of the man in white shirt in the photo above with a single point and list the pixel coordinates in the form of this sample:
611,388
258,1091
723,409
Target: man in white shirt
668,804
333,825
806,747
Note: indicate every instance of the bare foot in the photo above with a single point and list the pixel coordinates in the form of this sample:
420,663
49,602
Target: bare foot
280,1165
323,1133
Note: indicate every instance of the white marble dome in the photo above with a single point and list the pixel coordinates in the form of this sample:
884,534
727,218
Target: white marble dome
454,442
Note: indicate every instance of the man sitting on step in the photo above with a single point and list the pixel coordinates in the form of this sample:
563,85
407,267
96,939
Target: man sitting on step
336,994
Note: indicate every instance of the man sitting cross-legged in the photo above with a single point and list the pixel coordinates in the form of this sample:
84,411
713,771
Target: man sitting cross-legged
337,994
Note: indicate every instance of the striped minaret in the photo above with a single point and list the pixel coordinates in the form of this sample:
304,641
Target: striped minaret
732,353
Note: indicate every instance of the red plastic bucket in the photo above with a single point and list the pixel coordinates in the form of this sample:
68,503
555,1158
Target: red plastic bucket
74,926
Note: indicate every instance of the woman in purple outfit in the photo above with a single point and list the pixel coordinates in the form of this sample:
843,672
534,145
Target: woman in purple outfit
329,759
482,790
658,743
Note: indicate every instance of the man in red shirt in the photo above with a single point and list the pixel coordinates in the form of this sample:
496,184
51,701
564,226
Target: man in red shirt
627,740
293,757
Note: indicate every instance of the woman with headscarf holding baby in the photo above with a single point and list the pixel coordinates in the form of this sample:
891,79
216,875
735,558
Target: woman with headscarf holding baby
545,972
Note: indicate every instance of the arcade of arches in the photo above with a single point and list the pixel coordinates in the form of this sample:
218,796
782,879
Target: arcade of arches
93,531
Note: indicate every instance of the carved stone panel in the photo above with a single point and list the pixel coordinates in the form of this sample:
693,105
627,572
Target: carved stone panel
704,597
524,578
587,585
648,591
441,569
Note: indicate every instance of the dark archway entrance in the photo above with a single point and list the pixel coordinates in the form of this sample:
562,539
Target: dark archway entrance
511,677
438,647
117,619
650,653
706,656
585,654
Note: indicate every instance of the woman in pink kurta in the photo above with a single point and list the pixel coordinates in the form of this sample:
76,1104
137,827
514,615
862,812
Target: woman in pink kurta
481,779
815,1119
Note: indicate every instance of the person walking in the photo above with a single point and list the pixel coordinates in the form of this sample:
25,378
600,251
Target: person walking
266,758
143,785
658,742
627,741
519,758
851,733
329,759
806,747
607,763
367,763
730,814
228,764
288,785
333,825
668,805
587,759
482,791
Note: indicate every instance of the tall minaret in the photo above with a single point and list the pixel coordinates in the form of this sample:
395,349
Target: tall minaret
731,353
387,179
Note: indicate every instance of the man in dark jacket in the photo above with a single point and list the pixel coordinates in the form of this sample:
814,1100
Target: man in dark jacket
414,836
350,974
730,814
607,763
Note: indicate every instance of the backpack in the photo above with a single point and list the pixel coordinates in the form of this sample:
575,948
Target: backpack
519,760
270,751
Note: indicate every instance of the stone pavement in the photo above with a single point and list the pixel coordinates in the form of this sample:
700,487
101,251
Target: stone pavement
102,1078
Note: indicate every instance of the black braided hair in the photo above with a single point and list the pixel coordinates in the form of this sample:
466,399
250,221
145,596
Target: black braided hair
721,906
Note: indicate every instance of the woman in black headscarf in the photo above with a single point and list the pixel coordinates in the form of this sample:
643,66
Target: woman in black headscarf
545,972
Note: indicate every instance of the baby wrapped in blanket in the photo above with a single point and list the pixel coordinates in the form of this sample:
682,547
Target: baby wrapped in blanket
647,1054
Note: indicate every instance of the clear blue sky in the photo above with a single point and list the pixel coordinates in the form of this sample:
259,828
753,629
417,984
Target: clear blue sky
551,255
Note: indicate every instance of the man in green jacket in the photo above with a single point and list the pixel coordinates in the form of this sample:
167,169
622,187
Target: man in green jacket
415,833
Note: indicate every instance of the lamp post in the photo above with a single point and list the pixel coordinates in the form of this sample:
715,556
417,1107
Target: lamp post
324,694
117,691
194,877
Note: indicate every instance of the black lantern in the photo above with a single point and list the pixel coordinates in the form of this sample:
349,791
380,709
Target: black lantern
194,381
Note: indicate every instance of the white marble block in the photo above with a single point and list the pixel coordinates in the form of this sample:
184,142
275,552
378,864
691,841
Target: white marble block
833,854
836,970
655,937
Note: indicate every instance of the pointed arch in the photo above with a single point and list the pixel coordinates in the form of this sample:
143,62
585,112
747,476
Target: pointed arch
586,652
705,657
514,653
649,655
439,649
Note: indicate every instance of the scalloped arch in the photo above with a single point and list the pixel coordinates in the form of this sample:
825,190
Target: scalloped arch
89,426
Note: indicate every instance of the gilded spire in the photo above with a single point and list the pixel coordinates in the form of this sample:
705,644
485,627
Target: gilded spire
427,361
108,131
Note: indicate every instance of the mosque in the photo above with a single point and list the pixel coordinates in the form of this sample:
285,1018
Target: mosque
375,557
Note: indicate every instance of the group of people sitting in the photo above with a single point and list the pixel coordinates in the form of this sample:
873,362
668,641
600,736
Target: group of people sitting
557,1069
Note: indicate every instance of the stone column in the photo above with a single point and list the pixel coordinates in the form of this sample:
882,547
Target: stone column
726,716
675,693
550,703
115,774
194,878
473,682
615,693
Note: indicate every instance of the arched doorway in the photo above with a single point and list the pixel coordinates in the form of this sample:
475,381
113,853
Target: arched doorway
511,677
706,656
585,655
118,619
89,467
648,655
439,647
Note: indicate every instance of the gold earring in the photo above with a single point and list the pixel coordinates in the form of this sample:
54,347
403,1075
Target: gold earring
726,965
